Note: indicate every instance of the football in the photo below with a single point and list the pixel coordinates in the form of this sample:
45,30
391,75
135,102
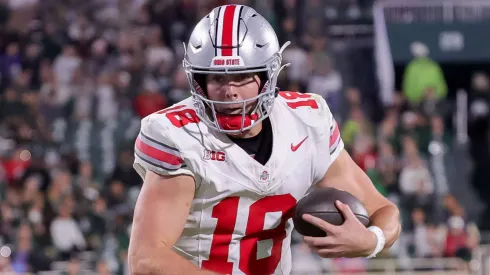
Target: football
321,203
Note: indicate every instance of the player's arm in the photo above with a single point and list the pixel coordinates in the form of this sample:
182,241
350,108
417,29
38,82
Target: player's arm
163,204
351,239
159,218
345,174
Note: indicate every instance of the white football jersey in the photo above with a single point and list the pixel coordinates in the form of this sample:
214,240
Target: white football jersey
240,218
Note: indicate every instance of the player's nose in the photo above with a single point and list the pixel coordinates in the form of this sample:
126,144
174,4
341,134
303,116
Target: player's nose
231,91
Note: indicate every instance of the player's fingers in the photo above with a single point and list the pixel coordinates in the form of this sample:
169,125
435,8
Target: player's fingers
325,226
319,241
345,210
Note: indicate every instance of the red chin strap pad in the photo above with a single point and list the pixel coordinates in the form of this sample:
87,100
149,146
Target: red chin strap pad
234,122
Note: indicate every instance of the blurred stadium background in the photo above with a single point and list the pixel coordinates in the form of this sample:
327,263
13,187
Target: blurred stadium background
409,80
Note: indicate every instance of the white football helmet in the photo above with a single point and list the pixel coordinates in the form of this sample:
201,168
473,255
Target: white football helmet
233,39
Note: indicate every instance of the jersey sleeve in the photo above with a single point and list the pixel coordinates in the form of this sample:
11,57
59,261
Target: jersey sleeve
330,144
335,143
156,152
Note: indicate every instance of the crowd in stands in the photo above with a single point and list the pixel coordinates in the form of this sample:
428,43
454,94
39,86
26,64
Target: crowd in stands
77,76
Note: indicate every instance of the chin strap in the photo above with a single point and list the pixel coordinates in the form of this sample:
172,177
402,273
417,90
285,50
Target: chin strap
234,122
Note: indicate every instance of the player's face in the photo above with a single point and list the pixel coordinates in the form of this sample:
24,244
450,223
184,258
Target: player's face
232,87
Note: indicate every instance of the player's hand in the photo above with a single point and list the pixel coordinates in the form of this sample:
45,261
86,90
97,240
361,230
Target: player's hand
350,240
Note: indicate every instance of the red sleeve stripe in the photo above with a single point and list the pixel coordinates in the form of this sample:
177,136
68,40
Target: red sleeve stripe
157,144
158,154
334,137
156,163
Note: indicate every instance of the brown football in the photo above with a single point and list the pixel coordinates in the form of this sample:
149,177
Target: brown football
321,203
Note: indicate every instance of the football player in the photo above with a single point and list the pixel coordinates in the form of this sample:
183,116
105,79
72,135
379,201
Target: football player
224,168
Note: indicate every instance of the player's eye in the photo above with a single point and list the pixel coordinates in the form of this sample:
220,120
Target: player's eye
216,78
243,77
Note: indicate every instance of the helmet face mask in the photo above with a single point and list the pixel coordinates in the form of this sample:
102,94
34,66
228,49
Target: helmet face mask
262,104
254,49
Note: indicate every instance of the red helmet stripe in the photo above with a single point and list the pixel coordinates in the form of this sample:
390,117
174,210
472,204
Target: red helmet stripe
228,30
228,26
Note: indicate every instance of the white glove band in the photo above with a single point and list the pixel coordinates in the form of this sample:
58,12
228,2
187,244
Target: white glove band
380,240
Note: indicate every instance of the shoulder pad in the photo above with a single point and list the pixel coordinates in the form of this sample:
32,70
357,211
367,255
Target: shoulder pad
312,109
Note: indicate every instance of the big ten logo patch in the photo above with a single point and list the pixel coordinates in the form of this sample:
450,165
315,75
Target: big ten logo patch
214,155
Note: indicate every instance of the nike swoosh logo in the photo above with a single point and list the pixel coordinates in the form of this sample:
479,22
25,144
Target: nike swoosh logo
295,147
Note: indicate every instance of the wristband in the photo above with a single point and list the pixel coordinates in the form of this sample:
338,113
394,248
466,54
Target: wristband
380,240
